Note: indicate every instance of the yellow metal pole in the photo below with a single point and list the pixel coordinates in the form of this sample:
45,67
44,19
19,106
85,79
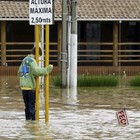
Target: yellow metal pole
37,78
47,76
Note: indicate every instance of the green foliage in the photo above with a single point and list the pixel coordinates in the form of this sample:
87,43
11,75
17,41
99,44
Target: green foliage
56,80
97,81
135,81
91,81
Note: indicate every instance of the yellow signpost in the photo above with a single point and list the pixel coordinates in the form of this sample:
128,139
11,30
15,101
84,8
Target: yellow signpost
37,18
37,60
47,76
37,31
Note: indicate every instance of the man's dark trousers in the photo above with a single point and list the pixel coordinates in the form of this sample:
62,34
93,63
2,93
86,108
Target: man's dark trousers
29,101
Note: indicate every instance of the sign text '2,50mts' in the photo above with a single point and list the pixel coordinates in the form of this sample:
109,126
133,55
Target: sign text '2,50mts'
40,20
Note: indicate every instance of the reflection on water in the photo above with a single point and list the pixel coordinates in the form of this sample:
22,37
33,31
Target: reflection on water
83,114
69,96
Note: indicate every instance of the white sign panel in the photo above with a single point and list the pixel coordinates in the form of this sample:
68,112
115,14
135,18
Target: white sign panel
41,12
122,117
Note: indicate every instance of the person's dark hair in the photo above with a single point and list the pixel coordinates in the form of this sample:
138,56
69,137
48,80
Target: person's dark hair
33,51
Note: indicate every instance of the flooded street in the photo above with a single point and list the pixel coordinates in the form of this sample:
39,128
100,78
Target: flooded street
85,114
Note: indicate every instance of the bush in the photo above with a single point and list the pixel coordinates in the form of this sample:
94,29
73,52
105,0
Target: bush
91,81
135,81
97,81
56,80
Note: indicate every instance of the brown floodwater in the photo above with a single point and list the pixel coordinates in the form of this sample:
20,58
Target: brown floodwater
80,114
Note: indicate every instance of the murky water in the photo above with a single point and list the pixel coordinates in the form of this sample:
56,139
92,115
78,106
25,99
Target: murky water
85,114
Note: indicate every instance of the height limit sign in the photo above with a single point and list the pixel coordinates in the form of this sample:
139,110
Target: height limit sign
41,12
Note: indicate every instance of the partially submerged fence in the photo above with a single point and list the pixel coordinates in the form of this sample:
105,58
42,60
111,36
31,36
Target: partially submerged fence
93,57
86,70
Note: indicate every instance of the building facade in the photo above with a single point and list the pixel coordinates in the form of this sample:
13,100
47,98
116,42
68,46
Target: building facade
108,34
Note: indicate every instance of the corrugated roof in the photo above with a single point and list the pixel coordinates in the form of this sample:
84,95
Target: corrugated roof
109,9
13,9
86,10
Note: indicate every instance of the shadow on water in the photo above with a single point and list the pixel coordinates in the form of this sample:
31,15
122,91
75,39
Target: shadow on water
79,114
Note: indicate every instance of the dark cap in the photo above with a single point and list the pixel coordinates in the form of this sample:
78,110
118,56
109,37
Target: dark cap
33,51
